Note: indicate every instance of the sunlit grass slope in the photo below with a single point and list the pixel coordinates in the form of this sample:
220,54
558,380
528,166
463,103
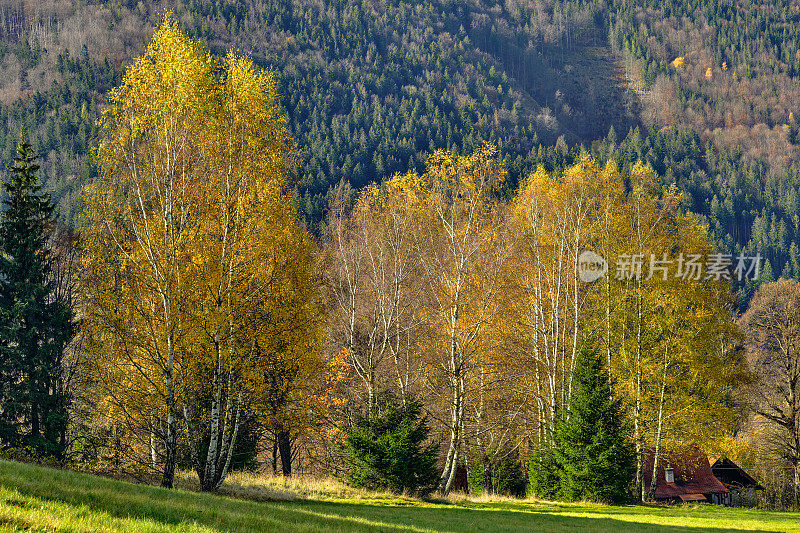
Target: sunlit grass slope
41,499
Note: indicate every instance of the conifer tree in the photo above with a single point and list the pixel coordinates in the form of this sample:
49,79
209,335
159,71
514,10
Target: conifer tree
590,458
36,324
595,459
387,449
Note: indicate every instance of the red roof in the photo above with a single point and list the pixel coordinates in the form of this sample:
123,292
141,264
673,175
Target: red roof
692,474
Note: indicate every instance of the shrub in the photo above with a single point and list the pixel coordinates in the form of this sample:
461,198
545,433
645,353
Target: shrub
508,476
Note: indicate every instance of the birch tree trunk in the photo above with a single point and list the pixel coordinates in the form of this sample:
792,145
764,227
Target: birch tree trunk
654,479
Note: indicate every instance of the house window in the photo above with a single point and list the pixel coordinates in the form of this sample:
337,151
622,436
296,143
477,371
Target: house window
669,474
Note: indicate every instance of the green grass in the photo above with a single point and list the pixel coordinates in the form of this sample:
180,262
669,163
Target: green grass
40,499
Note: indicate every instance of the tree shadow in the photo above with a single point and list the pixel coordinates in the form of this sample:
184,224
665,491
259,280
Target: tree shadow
174,507
524,517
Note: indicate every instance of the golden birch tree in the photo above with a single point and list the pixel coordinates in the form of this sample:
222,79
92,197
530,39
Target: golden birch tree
140,215
197,270
375,283
555,219
463,249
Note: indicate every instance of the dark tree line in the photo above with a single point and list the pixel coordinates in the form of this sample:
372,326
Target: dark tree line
36,321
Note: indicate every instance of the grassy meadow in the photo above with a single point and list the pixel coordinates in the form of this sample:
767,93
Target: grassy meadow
33,498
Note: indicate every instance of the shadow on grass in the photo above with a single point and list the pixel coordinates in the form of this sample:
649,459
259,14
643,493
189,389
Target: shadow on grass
523,517
126,500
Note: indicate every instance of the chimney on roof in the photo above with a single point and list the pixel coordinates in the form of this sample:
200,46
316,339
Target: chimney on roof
669,473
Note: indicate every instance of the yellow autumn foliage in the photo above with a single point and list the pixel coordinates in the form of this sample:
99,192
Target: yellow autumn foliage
199,277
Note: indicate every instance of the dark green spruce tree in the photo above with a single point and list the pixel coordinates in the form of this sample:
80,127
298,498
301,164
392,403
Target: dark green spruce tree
592,458
36,322
387,450
592,448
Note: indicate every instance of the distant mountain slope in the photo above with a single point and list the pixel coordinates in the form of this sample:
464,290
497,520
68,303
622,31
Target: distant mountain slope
726,68
370,87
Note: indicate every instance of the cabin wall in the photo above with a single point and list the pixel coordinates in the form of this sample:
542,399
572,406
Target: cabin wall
744,497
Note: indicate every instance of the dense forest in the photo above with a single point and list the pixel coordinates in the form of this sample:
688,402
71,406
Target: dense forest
369,88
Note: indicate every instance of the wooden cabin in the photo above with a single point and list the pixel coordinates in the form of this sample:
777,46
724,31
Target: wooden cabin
687,475
742,488
682,476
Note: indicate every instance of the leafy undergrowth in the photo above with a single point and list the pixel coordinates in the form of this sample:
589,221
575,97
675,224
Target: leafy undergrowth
34,498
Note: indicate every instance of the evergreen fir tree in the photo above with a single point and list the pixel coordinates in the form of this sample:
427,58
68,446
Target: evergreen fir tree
595,460
590,457
388,451
36,323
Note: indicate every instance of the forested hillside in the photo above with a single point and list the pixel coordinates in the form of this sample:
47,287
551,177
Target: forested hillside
370,88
